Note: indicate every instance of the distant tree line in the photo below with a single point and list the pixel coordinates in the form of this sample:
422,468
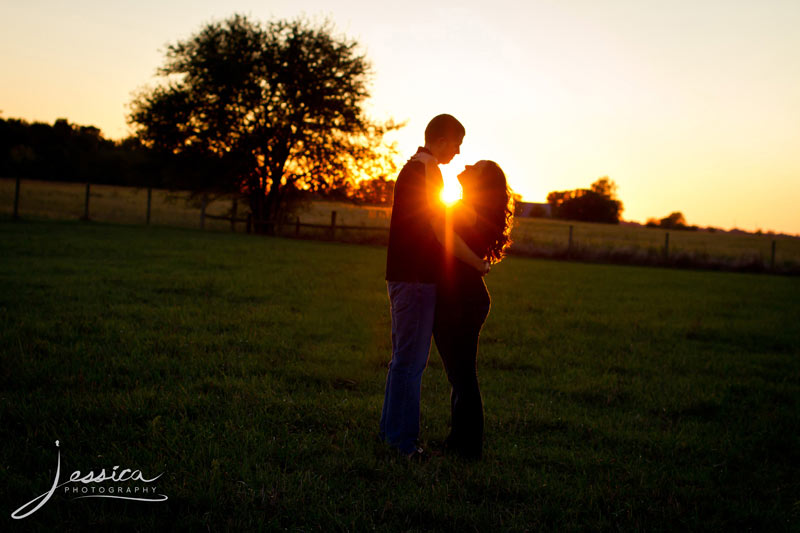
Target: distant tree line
599,203
63,151
69,152
372,191
674,220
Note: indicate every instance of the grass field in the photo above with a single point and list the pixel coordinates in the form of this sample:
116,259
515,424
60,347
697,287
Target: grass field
250,371
537,237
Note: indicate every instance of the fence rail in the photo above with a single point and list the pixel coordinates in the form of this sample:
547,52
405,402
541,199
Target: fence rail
332,227
573,248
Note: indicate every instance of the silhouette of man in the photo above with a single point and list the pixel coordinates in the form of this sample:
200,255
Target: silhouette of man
418,238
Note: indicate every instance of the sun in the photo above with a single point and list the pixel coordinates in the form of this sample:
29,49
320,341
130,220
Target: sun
451,192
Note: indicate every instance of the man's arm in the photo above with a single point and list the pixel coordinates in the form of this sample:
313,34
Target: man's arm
449,239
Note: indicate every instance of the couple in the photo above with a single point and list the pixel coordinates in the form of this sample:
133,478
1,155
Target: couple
435,264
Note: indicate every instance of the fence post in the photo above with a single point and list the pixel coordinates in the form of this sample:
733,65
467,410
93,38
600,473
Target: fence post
149,199
86,203
333,224
297,227
16,198
233,215
569,245
666,245
249,221
772,260
203,212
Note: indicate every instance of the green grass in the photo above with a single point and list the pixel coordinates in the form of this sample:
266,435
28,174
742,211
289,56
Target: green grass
250,371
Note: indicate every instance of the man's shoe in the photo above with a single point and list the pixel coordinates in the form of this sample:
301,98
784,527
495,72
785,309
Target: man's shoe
418,456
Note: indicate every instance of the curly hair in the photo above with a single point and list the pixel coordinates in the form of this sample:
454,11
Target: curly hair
493,202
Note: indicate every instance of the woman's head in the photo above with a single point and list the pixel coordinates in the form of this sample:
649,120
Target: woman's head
484,187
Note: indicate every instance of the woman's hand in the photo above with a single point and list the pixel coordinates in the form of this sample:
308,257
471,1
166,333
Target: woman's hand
483,267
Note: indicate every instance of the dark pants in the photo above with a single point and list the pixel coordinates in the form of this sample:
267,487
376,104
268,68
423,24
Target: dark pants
457,325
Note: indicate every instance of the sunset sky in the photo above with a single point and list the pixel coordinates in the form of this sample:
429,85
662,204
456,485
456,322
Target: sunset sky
687,105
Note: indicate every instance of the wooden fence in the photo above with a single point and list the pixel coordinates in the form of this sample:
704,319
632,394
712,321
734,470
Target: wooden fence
250,221
571,251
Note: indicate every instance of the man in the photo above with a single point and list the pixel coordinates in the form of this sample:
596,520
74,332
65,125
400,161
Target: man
418,236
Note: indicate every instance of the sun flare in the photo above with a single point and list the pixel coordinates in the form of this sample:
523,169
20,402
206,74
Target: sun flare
451,192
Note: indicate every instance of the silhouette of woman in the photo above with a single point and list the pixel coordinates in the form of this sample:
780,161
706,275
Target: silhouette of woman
483,220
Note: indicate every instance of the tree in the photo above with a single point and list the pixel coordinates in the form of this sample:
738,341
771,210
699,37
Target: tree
268,108
674,220
596,204
605,187
377,191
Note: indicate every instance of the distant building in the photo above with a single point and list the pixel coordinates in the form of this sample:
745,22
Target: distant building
531,209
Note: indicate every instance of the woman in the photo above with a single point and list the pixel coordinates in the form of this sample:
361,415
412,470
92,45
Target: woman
483,220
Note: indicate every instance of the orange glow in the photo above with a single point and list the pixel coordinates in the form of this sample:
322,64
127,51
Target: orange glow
451,192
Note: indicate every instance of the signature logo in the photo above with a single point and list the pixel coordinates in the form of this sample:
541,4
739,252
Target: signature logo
137,493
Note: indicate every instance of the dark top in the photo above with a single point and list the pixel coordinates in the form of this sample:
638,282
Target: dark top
459,283
414,253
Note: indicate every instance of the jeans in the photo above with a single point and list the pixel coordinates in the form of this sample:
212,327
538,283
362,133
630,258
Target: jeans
412,307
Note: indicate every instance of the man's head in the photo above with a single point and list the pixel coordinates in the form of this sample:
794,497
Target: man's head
443,137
